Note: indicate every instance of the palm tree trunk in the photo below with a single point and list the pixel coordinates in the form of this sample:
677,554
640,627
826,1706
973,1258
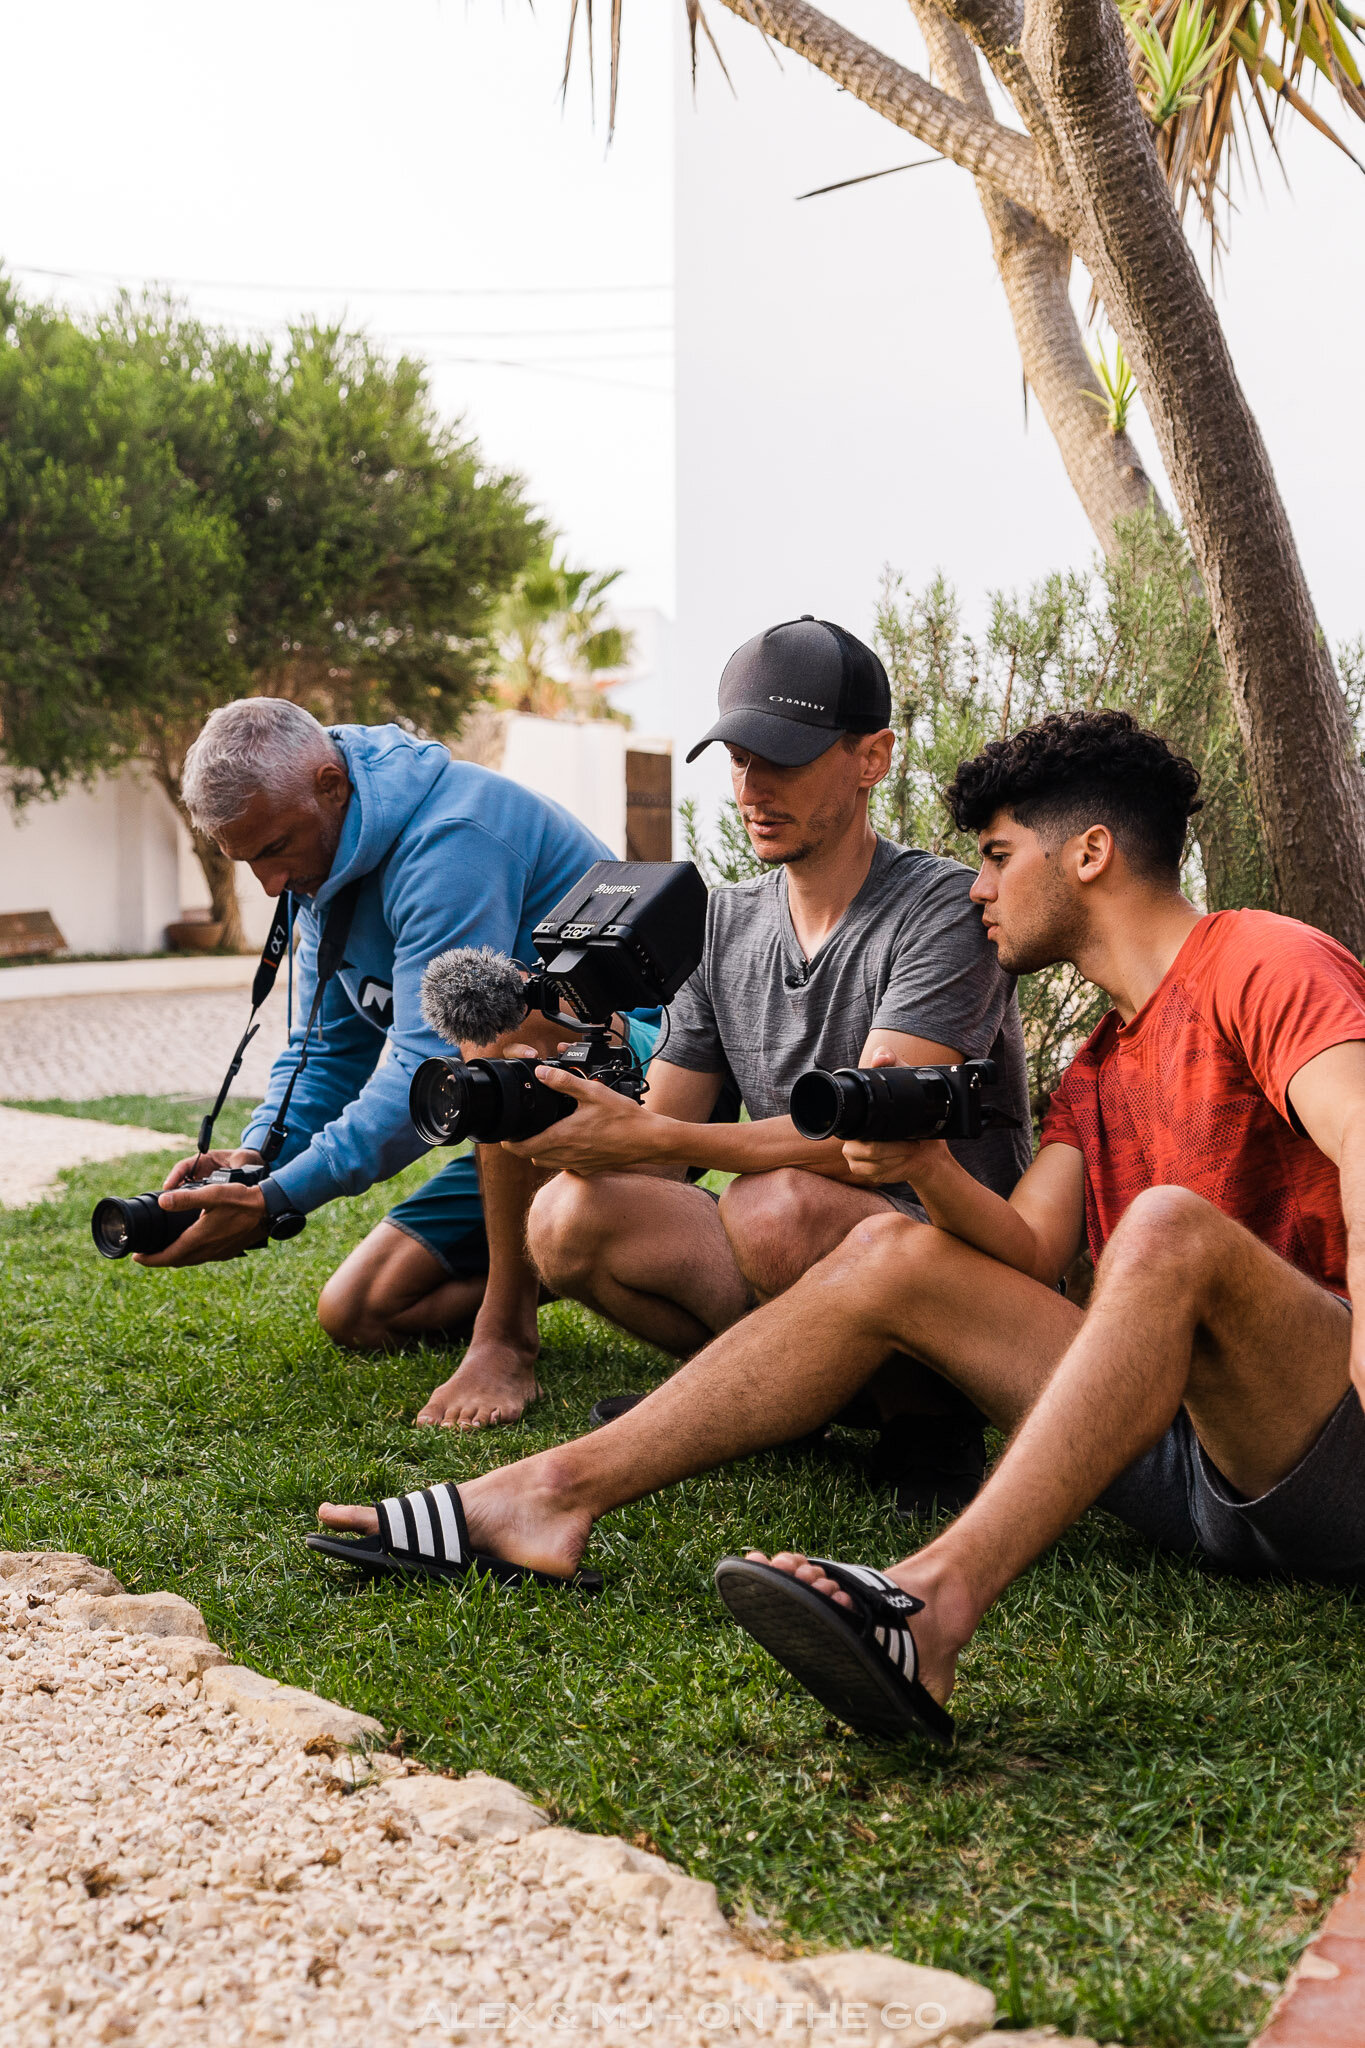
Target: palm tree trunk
1105,469
1307,784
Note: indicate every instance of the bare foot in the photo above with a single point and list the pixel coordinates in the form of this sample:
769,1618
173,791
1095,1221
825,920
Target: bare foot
938,1642
517,1512
495,1383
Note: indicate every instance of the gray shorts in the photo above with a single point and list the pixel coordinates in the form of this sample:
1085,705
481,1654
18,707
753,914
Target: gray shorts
1310,1526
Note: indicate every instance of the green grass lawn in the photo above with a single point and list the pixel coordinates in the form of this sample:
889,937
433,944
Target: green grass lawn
1157,1776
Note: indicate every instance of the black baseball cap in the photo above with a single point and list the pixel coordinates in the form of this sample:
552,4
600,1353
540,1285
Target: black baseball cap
789,693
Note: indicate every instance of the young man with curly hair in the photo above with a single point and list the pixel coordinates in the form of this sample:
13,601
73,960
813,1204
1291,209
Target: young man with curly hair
1208,1143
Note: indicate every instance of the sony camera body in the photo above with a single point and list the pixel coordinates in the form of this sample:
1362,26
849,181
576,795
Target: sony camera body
123,1224
882,1105
626,937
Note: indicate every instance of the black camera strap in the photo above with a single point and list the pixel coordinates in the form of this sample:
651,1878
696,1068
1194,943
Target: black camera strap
331,948
331,951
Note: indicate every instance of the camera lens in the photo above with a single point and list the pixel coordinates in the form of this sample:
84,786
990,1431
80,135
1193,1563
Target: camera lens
137,1223
879,1104
450,1101
829,1105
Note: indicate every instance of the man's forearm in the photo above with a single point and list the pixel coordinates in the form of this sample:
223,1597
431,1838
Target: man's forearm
508,1185
957,1203
740,1148
1351,1167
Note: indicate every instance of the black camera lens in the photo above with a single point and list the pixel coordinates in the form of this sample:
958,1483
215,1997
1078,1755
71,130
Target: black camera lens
443,1101
828,1105
879,1104
487,1100
122,1225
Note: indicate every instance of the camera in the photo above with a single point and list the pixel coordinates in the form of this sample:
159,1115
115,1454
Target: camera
896,1104
625,937
123,1224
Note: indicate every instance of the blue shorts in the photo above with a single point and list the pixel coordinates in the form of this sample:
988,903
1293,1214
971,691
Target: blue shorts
446,1216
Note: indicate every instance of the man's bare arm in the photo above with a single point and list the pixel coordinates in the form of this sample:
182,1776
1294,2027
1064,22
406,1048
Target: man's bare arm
609,1134
1328,1098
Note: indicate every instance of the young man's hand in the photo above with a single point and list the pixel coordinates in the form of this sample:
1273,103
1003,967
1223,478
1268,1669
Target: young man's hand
881,1164
604,1133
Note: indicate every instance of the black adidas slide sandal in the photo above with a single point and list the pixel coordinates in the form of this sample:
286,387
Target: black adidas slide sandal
861,1664
425,1535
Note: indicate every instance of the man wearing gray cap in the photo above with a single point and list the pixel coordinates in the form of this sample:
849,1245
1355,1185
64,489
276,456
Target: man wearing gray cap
850,951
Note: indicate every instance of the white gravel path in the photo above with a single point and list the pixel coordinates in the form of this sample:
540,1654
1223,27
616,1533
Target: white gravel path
175,1872
35,1148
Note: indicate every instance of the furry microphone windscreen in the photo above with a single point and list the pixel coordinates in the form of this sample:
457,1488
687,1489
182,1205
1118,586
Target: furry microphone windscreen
471,995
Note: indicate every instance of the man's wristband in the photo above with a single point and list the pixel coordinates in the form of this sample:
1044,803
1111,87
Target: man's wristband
281,1217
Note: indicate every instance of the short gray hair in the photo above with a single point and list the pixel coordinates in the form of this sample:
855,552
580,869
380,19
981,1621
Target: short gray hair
255,744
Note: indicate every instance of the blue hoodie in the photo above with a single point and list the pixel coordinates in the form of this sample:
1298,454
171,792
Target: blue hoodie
453,855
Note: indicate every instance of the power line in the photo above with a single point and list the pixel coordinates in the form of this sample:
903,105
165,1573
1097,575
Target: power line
536,370
381,291
406,334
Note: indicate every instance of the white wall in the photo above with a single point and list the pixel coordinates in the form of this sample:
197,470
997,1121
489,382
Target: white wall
113,864
103,860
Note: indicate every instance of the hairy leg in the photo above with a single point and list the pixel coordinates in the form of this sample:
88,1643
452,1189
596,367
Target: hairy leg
777,1374
392,1292
780,1224
649,1254
1189,1309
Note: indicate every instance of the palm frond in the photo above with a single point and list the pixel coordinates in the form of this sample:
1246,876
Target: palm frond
1207,70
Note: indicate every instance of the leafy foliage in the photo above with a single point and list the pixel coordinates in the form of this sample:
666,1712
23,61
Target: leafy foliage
118,573
186,517
1118,386
1134,632
1175,70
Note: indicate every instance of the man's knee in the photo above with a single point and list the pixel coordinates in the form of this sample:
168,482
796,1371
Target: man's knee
344,1312
366,1290
884,1257
778,1225
1166,1234
565,1231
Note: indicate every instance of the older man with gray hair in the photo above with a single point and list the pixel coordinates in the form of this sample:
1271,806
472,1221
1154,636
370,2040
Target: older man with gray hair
427,853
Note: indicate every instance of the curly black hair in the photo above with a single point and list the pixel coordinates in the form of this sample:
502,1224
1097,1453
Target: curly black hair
1081,768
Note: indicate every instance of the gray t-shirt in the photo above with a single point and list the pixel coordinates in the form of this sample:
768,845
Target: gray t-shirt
909,954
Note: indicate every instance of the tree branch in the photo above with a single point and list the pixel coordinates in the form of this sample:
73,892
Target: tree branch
1003,158
1105,469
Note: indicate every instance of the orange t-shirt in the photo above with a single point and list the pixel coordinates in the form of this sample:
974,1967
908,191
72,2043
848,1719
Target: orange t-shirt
1193,1093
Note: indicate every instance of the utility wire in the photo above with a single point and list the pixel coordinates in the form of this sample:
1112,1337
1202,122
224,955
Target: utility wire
381,291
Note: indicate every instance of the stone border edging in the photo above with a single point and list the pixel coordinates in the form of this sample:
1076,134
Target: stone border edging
1323,2002
941,2009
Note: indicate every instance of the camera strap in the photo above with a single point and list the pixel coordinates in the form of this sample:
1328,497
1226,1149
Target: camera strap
331,951
278,946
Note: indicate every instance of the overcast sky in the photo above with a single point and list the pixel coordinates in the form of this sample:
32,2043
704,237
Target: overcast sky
408,165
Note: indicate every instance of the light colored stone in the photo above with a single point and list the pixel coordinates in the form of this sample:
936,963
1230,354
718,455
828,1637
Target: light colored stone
142,1614
469,1809
620,1873
286,1709
187,1657
908,2005
1035,2037
56,1571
